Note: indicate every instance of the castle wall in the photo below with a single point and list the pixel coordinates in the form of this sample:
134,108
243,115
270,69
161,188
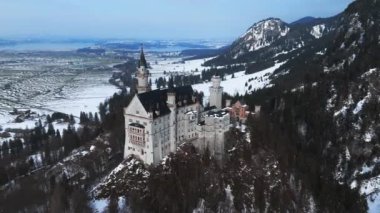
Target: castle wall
141,149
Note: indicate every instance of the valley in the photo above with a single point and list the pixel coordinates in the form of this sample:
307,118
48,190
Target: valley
313,147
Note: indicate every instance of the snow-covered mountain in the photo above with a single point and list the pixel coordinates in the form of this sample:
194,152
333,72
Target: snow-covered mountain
315,147
329,77
342,68
260,35
320,120
265,40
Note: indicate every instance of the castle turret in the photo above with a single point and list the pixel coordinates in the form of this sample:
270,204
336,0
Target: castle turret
216,92
142,74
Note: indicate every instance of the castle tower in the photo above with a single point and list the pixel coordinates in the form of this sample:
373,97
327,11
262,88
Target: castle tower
216,92
142,74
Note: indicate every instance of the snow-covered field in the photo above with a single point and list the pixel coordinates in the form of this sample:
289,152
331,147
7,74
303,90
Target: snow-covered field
70,84
164,67
47,83
241,83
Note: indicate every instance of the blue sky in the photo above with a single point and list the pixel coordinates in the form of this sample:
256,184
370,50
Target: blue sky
151,19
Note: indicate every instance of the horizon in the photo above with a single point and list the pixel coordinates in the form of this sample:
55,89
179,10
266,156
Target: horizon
163,20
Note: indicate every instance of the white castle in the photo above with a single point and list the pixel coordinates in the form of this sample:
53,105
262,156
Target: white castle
158,121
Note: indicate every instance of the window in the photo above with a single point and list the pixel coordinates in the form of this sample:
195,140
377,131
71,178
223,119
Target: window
137,112
130,120
136,135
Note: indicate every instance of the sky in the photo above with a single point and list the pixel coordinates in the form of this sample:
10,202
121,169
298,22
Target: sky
151,19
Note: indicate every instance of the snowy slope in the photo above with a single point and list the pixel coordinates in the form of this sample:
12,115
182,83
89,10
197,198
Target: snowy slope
264,33
318,30
260,35
235,85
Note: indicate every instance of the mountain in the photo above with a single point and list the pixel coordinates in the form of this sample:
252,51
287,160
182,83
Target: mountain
315,146
326,98
304,20
322,105
271,40
259,35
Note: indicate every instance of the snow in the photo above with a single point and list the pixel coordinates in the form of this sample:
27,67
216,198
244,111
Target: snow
235,85
76,154
330,102
366,169
27,124
300,88
373,202
255,37
282,53
322,52
37,159
342,111
369,135
229,196
354,184
85,100
347,153
99,205
370,186
368,73
173,66
47,83
118,169
312,205
359,105
317,31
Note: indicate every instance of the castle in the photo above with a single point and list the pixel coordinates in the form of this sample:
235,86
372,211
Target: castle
158,121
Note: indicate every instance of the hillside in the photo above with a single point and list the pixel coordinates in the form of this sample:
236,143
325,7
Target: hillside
272,40
315,146
326,99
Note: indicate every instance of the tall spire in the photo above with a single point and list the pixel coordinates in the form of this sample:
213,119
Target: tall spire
142,61
142,74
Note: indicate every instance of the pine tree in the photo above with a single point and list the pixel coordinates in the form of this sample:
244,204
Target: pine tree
72,120
102,111
113,204
51,130
90,117
5,148
96,119
48,119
